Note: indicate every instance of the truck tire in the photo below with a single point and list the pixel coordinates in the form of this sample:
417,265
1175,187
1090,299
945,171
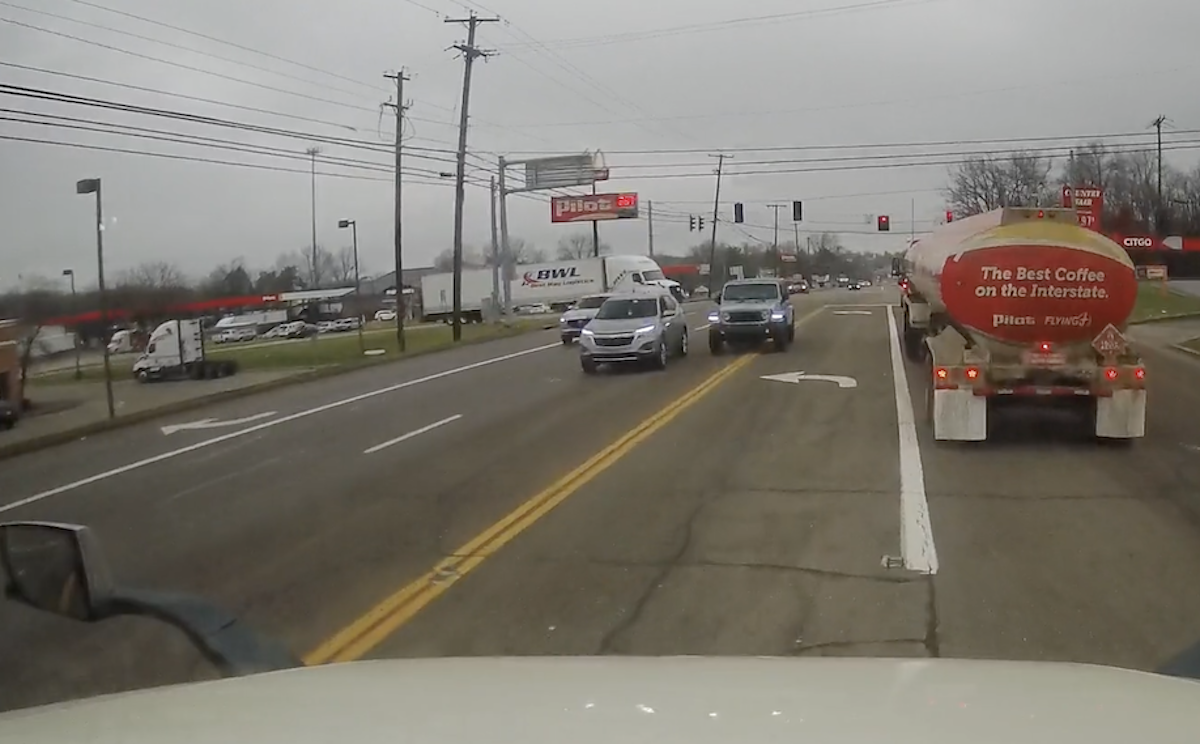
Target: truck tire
791,332
914,345
196,371
566,340
716,344
588,365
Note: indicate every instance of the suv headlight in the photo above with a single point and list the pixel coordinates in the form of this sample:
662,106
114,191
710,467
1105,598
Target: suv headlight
777,315
646,329
714,317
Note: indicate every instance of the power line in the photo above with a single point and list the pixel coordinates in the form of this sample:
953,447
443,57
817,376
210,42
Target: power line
744,21
176,45
214,39
180,65
56,97
156,91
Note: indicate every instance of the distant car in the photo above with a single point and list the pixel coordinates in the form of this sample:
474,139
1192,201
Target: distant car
234,335
9,413
579,315
385,316
854,286
637,328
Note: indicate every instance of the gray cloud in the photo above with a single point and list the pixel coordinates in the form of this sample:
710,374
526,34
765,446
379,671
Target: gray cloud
565,79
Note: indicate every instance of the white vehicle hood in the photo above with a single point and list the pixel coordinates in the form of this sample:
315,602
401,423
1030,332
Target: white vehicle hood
630,700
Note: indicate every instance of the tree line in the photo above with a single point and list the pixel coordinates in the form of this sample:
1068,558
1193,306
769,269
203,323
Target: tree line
1129,179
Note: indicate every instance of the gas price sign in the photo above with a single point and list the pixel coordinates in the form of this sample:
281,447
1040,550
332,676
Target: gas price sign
592,207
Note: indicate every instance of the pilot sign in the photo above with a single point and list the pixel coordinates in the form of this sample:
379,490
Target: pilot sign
592,207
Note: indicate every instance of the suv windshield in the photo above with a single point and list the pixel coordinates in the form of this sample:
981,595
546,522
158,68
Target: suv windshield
740,292
618,309
590,303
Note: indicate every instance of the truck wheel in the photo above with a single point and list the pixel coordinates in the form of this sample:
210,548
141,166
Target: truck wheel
715,344
781,342
791,332
566,340
914,346
589,365
683,343
196,371
143,376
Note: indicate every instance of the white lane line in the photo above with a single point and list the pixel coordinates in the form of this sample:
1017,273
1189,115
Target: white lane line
265,425
852,312
916,532
411,434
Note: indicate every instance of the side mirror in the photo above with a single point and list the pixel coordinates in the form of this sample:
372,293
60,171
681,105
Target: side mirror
717,297
58,568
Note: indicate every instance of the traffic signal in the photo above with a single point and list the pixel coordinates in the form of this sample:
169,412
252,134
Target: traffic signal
700,223
797,211
739,213
691,223
885,224
949,216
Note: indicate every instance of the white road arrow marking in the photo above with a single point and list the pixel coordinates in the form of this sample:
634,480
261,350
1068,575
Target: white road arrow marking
212,423
798,377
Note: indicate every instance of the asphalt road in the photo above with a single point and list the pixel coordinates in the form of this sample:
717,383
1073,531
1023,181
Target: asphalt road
701,510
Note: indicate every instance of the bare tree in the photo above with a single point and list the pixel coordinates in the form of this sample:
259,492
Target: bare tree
153,275
343,267
1019,179
577,245
473,258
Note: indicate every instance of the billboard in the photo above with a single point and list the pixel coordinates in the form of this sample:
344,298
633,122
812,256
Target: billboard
592,207
1087,202
560,171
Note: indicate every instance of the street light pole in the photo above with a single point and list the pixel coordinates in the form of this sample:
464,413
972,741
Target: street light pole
92,186
353,225
312,154
75,308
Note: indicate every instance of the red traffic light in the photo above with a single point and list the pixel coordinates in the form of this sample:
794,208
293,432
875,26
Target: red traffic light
885,224
949,216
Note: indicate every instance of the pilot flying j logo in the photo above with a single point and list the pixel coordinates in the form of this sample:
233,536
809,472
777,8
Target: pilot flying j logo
554,276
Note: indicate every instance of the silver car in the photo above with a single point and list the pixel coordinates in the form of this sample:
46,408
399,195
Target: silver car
642,328
579,315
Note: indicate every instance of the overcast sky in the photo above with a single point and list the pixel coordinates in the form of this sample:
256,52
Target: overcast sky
617,76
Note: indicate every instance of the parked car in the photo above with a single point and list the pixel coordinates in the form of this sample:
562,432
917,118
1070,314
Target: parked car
385,316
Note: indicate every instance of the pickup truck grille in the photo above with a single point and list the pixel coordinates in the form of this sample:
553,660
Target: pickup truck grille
614,340
747,316
577,323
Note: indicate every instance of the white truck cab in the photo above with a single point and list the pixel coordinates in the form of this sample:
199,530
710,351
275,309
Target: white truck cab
176,349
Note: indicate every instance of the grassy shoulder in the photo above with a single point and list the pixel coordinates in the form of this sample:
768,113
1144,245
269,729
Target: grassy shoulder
335,350
1155,301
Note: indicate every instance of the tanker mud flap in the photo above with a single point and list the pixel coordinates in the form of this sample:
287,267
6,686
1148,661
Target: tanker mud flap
1121,416
959,416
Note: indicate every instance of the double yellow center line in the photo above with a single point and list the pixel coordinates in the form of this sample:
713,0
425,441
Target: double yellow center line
368,631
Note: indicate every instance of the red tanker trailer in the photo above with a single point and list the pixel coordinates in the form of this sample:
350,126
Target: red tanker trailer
1022,305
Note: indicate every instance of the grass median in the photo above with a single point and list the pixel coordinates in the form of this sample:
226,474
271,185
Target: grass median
1156,301
330,350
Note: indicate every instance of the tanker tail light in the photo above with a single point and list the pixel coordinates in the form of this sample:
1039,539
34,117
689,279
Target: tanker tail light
972,373
1111,374
1139,374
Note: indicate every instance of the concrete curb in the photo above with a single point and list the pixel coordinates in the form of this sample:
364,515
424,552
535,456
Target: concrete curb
54,439
1164,318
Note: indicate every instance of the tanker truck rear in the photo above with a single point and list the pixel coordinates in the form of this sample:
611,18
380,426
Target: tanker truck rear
1021,306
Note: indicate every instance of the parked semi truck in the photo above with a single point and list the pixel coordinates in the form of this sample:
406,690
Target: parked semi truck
1022,306
558,284
176,350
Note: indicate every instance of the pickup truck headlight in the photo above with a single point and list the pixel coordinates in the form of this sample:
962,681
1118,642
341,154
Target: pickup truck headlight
714,317
778,315
587,332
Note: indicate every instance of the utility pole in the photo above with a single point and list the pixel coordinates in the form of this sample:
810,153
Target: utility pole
712,252
1158,213
495,252
775,241
506,256
400,107
650,224
316,276
470,53
595,230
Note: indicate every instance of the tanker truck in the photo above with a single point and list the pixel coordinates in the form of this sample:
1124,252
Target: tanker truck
1021,306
